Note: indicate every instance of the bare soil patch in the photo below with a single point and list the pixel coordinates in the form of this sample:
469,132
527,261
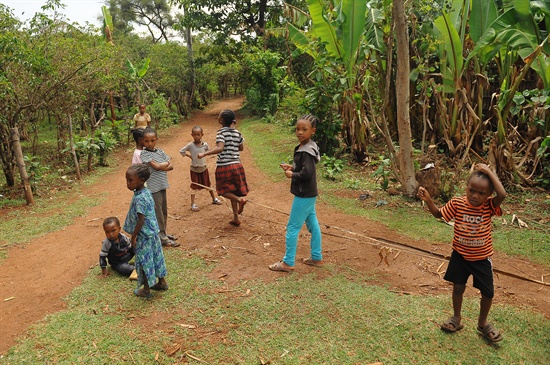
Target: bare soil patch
41,274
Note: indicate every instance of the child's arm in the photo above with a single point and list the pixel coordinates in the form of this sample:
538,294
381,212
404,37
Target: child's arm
105,247
215,151
499,188
161,166
425,196
139,224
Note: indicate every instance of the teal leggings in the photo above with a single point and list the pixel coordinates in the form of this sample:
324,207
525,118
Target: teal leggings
303,210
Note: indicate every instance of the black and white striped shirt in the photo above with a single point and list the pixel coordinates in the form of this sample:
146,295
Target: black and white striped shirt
231,139
159,179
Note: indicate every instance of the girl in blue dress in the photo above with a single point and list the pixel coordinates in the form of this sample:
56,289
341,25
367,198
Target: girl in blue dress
141,223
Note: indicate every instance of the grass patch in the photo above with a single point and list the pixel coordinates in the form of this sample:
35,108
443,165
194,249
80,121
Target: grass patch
298,319
273,143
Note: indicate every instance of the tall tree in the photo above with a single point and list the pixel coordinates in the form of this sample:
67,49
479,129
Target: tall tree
402,88
153,15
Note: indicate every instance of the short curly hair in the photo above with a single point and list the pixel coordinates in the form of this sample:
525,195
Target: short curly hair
227,117
142,170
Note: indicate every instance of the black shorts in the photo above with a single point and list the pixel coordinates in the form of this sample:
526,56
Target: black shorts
459,270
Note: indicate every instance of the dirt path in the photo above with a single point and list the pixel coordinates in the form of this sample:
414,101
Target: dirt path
39,275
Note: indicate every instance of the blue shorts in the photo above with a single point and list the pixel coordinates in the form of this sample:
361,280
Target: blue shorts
459,270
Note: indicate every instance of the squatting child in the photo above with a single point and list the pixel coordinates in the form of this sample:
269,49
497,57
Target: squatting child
116,248
472,244
304,188
230,176
141,223
159,164
198,168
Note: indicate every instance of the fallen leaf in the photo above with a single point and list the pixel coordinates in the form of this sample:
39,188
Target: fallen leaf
8,299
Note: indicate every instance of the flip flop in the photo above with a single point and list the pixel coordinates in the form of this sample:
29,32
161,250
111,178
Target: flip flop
451,325
141,294
490,333
217,201
242,202
235,223
278,266
311,262
157,286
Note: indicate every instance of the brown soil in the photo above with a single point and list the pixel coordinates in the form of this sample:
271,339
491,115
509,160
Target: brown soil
39,275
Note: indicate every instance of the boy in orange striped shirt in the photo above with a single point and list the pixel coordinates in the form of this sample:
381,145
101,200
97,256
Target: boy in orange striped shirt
472,244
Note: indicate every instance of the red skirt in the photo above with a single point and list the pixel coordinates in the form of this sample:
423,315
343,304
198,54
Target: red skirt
200,178
231,179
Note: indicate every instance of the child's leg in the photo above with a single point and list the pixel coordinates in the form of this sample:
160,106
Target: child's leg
484,308
160,202
298,215
237,203
124,268
316,241
458,296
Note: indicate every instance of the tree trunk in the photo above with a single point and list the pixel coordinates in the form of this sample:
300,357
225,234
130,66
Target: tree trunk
14,139
73,152
405,155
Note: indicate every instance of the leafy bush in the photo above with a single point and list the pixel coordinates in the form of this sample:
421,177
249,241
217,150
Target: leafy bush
544,154
332,166
383,171
35,170
263,73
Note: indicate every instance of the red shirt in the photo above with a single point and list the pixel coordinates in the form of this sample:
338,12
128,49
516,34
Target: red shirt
473,237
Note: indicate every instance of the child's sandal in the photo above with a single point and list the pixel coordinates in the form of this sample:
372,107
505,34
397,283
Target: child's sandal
195,208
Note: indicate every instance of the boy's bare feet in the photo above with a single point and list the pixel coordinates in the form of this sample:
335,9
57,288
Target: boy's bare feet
242,202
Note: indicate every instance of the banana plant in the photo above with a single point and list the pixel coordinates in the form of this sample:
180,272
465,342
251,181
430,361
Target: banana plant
137,75
340,28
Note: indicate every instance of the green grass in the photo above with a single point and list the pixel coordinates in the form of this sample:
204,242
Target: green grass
273,143
298,319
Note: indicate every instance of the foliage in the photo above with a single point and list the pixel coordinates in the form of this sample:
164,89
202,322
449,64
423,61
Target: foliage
383,171
544,154
35,170
264,75
332,166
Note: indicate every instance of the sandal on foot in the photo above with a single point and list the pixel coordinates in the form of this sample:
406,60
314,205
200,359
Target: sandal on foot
140,293
217,201
170,243
172,237
451,325
195,208
490,333
278,266
242,202
158,286
311,262
235,223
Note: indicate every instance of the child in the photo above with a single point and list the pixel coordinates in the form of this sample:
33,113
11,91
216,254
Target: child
304,187
138,137
142,119
159,164
116,248
142,224
199,170
472,244
230,176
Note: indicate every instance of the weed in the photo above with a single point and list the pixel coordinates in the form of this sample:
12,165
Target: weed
332,166
383,171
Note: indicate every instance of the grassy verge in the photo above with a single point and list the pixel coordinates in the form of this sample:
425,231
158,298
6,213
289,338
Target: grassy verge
297,319
273,143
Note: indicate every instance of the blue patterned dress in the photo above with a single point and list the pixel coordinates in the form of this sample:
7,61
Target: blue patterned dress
149,256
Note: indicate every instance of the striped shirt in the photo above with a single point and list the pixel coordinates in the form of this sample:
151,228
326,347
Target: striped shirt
473,237
231,139
159,179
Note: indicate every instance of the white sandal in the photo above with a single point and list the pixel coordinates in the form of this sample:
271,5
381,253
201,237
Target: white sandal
194,208
217,201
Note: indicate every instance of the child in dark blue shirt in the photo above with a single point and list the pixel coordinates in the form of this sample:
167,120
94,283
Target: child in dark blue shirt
116,248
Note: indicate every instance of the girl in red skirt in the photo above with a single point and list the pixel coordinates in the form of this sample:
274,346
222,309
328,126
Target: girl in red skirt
230,176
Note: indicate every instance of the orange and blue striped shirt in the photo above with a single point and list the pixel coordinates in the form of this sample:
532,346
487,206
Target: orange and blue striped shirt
473,237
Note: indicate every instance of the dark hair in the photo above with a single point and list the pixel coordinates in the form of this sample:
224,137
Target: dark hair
228,117
142,170
197,128
111,220
310,118
481,175
137,133
149,130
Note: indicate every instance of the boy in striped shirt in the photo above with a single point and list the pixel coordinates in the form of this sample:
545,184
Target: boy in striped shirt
472,244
